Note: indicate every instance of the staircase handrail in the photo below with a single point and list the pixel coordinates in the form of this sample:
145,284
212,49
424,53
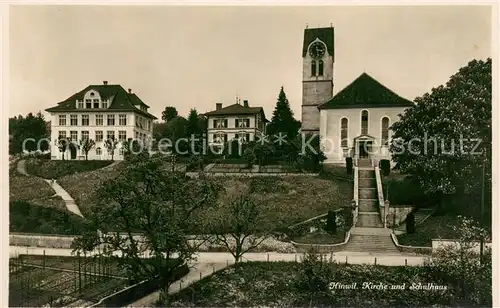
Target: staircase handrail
356,196
383,210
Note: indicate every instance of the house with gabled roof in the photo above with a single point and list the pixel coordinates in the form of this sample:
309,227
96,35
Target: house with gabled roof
99,112
236,121
356,121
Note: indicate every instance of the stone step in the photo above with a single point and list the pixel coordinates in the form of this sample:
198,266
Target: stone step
371,243
366,174
369,219
368,206
367,193
367,183
371,202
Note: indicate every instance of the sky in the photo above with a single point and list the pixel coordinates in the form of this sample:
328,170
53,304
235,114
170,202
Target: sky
195,57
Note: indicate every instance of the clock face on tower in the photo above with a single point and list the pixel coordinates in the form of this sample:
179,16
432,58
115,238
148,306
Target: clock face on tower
317,50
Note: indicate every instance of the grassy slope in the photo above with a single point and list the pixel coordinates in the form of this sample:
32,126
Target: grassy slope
292,199
289,199
33,190
272,284
83,186
434,227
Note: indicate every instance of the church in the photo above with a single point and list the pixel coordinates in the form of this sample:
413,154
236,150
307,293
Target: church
356,121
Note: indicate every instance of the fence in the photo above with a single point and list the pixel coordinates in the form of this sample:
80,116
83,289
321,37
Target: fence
54,280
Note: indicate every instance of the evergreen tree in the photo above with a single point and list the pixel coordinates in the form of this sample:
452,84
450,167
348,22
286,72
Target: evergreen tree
193,126
283,120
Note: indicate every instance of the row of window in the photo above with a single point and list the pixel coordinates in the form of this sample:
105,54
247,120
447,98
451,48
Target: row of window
222,138
92,103
317,68
223,123
99,135
99,120
344,133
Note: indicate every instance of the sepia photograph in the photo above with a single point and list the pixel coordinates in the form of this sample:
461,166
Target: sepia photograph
260,155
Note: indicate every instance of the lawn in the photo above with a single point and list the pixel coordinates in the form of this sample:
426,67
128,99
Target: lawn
55,169
276,284
321,237
434,227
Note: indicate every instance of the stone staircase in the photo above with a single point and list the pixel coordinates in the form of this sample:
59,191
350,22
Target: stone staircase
372,240
369,234
368,215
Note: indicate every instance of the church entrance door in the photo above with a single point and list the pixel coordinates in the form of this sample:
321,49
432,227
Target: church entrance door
364,148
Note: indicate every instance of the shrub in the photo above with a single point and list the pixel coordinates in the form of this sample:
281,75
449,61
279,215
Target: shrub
460,266
385,167
331,222
315,275
348,164
410,223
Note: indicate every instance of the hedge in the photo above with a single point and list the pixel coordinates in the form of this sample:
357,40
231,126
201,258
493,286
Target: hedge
29,218
53,169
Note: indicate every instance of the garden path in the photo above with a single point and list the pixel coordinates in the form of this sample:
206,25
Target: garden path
68,200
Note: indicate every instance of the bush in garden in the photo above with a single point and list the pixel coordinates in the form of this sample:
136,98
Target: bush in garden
348,164
315,275
460,267
331,222
410,223
385,166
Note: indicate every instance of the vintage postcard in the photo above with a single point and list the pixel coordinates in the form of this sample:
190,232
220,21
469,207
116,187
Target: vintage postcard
265,155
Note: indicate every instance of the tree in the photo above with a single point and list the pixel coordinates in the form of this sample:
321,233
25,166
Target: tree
169,113
193,124
283,121
110,145
162,206
62,145
410,223
21,128
195,129
237,225
306,152
436,141
331,222
86,145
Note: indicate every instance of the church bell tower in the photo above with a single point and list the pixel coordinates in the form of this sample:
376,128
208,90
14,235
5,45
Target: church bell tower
317,75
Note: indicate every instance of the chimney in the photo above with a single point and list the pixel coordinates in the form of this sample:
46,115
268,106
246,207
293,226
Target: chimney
105,82
245,103
130,91
218,106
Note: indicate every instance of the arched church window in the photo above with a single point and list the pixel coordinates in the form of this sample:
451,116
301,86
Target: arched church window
320,68
385,131
364,122
343,132
313,68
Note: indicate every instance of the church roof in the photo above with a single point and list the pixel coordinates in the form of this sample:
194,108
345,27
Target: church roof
120,100
324,34
366,92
